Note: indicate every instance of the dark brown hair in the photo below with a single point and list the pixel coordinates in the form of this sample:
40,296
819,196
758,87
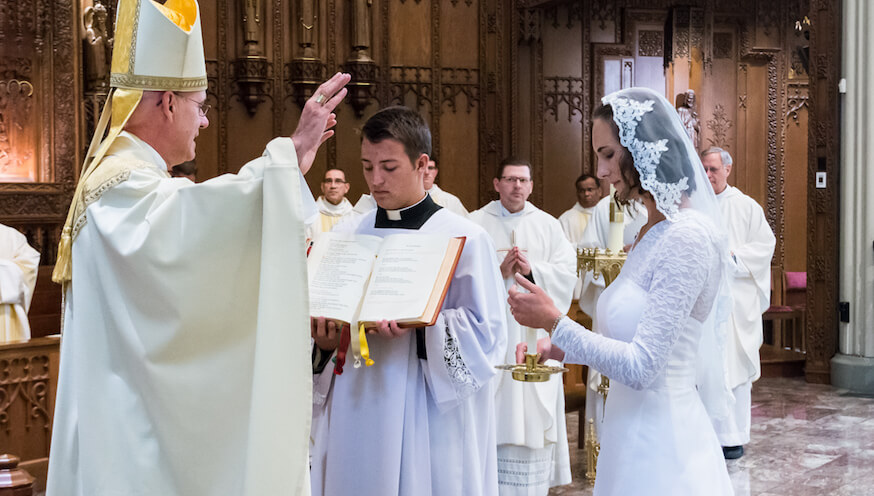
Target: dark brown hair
514,161
403,125
626,161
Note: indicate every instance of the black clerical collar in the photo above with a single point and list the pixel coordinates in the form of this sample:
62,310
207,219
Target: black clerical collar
413,217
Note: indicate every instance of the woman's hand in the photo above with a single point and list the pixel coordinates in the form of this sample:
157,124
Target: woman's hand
544,347
532,309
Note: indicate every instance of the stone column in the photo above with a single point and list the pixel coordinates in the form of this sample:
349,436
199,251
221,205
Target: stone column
853,366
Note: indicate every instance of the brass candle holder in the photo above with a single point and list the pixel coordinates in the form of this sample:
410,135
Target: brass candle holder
531,371
606,264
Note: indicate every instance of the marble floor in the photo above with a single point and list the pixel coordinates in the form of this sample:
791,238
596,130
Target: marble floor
807,439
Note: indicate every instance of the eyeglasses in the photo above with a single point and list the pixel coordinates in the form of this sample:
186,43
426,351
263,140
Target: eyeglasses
333,181
521,180
202,106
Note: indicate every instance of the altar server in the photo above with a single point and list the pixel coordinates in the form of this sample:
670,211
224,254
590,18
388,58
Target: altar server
421,419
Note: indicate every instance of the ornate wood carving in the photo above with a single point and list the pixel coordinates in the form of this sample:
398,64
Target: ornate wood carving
530,22
797,99
558,91
24,380
28,383
822,220
719,126
415,80
603,11
455,82
723,45
651,43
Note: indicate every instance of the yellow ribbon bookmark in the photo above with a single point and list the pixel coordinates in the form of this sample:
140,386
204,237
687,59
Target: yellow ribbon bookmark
362,342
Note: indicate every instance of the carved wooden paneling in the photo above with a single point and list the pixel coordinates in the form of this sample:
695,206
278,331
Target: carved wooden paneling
39,111
822,219
28,382
749,67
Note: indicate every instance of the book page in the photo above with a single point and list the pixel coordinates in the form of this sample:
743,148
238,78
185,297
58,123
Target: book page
338,267
403,277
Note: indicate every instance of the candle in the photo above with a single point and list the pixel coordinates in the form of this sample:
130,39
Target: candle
617,225
531,339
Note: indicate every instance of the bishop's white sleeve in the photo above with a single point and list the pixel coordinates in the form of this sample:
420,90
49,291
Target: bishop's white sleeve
470,335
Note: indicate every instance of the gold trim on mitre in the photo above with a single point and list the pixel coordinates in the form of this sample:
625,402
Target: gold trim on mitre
162,49
158,48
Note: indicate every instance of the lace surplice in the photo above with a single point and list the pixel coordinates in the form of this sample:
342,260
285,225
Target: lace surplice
677,266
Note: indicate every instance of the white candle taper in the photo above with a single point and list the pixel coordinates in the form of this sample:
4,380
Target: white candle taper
531,340
617,225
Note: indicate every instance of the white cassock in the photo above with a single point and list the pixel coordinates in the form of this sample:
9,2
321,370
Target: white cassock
751,242
573,222
532,435
18,267
421,420
596,235
329,216
364,204
447,200
185,366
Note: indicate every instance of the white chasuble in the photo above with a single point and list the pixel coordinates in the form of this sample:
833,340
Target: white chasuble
751,242
531,415
573,222
185,364
419,421
329,216
447,200
18,267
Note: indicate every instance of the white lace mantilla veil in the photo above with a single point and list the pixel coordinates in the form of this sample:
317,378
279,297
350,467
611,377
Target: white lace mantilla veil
670,169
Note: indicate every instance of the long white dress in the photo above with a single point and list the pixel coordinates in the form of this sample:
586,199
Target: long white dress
656,438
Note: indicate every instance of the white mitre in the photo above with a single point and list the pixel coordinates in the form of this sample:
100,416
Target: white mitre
156,48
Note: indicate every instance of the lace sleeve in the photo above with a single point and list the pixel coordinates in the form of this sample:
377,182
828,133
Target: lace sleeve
682,265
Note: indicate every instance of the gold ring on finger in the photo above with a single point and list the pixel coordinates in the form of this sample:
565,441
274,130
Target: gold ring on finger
321,98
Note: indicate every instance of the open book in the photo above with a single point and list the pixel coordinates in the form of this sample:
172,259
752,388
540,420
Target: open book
356,278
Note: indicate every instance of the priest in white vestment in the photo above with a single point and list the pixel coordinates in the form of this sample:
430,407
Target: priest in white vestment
18,267
575,219
597,235
421,420
184,369
751,243
444,199
333,205
532,436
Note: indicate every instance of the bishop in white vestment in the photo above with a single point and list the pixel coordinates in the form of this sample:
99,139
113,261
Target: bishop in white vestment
751,244
18,267
532,435
184,363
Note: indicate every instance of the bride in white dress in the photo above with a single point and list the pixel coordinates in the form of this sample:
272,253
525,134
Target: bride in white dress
661,343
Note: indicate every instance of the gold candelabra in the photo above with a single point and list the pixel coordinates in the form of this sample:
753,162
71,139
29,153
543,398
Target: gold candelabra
531,371
606,264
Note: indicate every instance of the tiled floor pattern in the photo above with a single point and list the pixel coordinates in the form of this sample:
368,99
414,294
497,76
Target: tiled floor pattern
807,439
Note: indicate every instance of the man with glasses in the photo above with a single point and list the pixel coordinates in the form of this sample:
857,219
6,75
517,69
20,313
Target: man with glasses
184,357
532,438
333,205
